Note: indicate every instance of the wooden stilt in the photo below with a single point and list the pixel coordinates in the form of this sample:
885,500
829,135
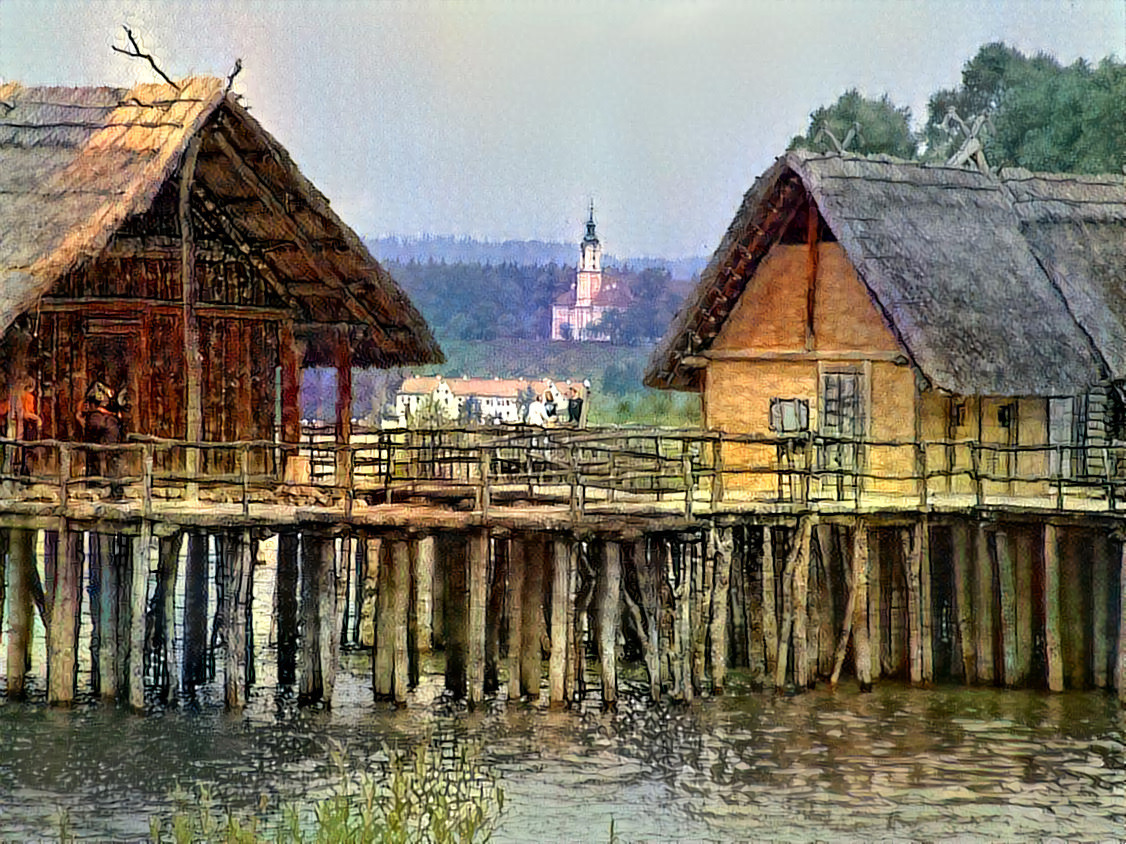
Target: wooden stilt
583,586
400,591
963,600
861,566
195,610
424,580
912,557
169,658
125,550
478,592
574,661
142,555
3,577
1023,564
65,602
236,595
926,601
1006,578
1053,656
609,621
1076,556
739,654
756,647
494,613
383,646
794,559
369,590
877,639
318,612
822,604
802,675
1101,592
560,612
21,559
532,623
703,578
452,553
850,614
286,591
722,543
769,613
1120,656
683,599
108,617
649,588
983,578
516,554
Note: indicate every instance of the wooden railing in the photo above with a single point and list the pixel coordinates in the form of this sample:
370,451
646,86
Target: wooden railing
580,468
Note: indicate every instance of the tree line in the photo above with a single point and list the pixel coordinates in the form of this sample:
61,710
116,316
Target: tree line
1026,111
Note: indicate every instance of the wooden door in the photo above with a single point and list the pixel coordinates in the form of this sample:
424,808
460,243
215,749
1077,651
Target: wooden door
842,426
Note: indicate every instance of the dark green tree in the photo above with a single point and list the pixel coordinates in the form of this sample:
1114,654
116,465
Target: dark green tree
862,125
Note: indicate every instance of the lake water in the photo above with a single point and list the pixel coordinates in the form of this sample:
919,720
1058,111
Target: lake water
899,763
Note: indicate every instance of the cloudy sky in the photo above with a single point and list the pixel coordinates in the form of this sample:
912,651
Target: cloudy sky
502,118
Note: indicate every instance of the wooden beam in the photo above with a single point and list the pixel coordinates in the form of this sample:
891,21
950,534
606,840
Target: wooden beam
830,355
478,565
1053,655
293,231
344,461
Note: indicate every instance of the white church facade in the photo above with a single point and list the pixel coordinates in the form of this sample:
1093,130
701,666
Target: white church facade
575,314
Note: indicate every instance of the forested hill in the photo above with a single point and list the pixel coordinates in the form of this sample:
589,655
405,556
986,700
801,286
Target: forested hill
530,253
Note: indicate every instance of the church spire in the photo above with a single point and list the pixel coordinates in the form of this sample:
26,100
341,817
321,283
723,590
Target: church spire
591,237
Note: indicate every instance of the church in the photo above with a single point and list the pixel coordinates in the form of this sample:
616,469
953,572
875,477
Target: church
576,314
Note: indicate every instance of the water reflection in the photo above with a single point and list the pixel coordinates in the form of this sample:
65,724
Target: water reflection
900,763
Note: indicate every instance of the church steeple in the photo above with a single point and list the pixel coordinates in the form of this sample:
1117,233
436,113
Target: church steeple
590,262
591,237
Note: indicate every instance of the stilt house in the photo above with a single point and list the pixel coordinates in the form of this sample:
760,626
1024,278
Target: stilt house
159,239
890,321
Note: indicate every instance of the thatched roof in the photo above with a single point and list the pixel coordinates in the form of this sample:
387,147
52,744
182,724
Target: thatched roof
79,164
950,257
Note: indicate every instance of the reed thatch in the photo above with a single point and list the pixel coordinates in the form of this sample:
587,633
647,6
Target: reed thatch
953,260
78,164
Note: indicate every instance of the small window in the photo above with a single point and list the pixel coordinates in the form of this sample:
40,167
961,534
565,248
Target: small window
958,414
789,416
1006,415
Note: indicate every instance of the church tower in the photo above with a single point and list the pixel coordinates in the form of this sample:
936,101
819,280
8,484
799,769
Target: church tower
590,266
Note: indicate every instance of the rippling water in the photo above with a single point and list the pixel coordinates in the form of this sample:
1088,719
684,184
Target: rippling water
899,763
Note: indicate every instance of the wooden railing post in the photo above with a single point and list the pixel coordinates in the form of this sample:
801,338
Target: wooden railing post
717,470
686,468
244,477
64,474
1059,477
921,472
147,479
484,492
807,475
975,467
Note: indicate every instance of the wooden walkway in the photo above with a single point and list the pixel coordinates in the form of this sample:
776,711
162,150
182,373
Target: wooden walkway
513,547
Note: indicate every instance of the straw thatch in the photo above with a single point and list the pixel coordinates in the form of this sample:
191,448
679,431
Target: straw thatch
953,260
77,164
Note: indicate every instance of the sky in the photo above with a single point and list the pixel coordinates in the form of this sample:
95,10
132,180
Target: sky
504,119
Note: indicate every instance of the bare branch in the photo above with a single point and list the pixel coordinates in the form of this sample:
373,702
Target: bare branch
234,73
136,53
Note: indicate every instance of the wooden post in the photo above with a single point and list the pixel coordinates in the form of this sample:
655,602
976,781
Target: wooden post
609,621
963,600
983,577
723,548
290,401
926,601
494,612
168,569
1101,591
286,591
344,413
877,638
516,554
142,553
648,582
1053,654
1075,558
912,558
189,287
861,559
822,603
66,605
400,608
424,582
797,557
684,610
532,623
561,610
239,572
124,551
195,611
21,559
579,600
769,613
1007,580
850,613
478,547
1120,656
318,611
802,678
452,554
1023,560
